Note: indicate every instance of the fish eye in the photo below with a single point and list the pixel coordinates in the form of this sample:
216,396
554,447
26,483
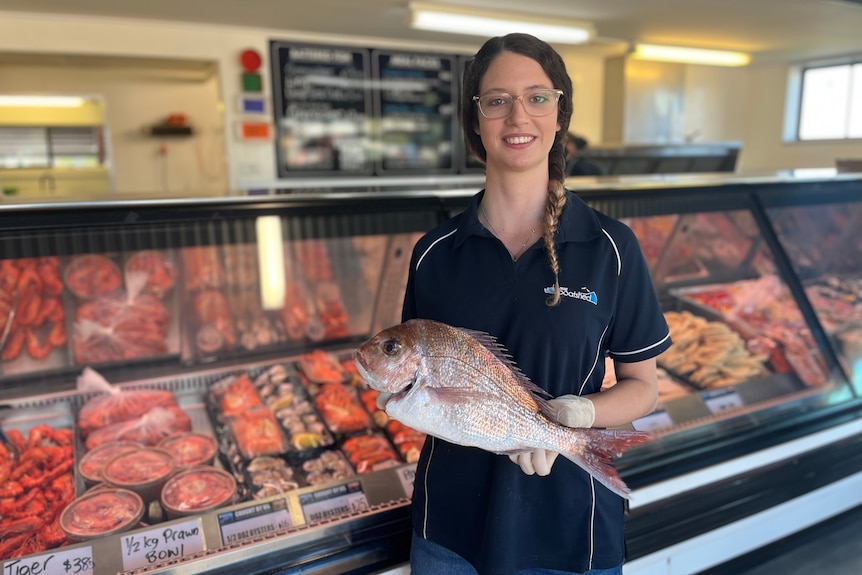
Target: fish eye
391,347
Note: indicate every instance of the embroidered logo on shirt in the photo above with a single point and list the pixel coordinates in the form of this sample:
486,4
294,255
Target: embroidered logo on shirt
584,293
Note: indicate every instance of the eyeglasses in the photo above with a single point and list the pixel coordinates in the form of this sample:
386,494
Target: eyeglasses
539,102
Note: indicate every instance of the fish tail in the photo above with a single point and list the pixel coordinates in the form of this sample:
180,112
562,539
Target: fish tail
597,457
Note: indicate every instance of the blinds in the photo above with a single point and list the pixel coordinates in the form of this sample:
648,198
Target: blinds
38,147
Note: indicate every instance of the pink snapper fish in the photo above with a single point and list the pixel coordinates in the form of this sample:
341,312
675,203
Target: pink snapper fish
461,386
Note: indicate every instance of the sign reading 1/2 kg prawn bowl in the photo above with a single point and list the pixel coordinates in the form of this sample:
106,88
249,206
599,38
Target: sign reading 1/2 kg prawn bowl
352,111
154,546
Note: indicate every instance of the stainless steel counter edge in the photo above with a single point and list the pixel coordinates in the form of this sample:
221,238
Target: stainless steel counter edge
390,188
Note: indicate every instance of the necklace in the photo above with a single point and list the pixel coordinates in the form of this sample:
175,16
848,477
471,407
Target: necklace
522,249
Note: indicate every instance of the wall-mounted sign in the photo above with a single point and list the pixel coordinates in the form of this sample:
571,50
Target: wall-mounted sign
414,104
252,104
251,131
351,111
322,105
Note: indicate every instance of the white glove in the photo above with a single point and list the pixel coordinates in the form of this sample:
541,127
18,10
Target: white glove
571,411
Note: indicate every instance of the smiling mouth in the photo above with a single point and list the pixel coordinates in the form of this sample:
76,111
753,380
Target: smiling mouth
520,140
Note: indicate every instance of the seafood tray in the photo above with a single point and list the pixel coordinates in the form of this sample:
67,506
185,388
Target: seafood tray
763,312
311,444
33,330
709,354
37,474
220,290
122,307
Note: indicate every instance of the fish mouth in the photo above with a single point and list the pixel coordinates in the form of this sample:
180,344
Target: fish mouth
372,383
402,393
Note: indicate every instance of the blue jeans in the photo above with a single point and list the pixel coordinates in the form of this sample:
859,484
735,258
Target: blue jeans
429,558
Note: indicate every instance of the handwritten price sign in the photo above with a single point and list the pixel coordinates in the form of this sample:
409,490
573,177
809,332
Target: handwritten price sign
70,562
162,544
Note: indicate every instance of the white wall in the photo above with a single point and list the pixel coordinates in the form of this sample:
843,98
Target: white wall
136,95
249,164
764,125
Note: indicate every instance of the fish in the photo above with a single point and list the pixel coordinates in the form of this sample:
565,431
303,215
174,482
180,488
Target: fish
461,385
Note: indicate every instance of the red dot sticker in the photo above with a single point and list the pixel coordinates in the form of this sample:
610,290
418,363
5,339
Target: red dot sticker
250,60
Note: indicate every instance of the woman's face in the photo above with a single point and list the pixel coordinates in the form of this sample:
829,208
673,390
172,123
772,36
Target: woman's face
517,141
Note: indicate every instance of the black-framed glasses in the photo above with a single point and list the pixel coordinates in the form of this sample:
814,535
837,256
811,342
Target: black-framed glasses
539,102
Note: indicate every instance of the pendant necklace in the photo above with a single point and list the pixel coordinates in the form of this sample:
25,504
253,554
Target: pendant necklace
523,247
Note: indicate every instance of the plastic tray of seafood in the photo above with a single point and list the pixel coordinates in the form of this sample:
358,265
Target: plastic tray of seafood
37,476
764,313
221,291
32,316
122,306
279,431
321,371
709,353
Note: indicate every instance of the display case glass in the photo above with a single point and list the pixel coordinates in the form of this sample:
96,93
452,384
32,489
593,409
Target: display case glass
824,246
248,341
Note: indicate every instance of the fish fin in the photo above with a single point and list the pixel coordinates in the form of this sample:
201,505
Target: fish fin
546,409
598,458
455,394
499,351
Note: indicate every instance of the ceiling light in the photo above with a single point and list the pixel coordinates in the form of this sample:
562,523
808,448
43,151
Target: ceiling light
690,55
42,101
457,20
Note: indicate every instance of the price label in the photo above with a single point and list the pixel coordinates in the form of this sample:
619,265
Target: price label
407,475
722,400
334,501
70,562
659,419
254,521
162,544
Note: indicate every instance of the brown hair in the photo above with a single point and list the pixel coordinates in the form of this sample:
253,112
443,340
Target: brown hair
555,68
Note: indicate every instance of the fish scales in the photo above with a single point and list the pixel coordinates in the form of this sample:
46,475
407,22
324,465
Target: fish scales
461,386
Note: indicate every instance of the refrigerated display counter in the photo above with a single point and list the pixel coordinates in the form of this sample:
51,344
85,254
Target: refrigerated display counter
759,414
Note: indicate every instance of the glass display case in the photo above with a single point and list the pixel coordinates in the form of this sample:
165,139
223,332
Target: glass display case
190,309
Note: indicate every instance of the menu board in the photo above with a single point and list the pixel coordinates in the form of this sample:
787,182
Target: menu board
414,101
469,162
322,105
352,111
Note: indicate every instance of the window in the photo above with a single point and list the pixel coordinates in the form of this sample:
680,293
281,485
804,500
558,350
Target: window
37,147
831,104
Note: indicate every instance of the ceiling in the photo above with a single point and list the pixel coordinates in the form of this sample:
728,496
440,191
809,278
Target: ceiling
772,30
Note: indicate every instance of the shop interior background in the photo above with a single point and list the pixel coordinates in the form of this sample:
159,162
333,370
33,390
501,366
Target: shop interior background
139,63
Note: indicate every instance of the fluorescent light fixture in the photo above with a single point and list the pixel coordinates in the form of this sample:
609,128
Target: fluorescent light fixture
270,262
42,101
690,55
458,20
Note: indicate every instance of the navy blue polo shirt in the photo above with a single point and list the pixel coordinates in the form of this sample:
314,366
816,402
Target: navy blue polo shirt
481,505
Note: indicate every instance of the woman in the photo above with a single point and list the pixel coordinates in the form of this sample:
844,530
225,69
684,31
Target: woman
560,286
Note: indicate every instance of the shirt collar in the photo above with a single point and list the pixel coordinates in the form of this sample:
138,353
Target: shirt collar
578,222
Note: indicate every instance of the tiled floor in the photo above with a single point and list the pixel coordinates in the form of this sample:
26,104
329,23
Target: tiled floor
831,548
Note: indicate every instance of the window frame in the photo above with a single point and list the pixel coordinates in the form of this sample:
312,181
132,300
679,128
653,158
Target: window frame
797,102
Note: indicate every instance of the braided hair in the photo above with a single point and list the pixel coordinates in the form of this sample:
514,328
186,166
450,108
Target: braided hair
555,68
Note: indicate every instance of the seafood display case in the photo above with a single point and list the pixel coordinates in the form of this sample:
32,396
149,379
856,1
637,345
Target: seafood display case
759,410
160,413
152,323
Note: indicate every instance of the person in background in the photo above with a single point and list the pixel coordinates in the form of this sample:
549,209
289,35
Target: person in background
576,164
560,286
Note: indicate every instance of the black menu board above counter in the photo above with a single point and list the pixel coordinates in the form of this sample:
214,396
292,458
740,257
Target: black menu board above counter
322,103
414,101
349,111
